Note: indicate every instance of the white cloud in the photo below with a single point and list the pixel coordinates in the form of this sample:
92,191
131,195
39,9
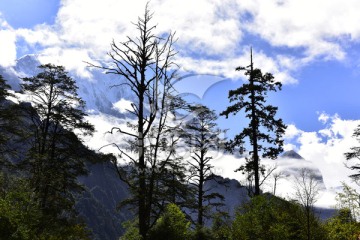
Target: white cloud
324,150
122,105
7,44
323,117
291,132
321,154
326,147
73,59
227,67
206,27
43,34
211,33
103,124
317,26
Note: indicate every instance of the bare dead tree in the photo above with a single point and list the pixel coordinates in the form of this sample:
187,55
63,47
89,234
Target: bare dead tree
306,193
146,65
276,176
265,173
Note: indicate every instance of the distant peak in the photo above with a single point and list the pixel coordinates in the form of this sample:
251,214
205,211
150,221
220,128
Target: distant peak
291,154
28,56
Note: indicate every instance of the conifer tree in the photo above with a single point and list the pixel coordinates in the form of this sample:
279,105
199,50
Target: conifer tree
201,135
56,156
8,123
354,153
4,114
264,130
171,225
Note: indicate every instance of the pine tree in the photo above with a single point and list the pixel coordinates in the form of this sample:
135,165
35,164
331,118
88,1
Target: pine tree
4,114
9,127
201,135
264,130
354,154
171,225
56,156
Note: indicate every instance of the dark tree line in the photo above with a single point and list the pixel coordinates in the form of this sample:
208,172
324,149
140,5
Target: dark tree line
8,124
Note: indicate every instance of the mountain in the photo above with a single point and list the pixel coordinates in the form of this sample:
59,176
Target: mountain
291,163
291,154
95,91
234,194
98,205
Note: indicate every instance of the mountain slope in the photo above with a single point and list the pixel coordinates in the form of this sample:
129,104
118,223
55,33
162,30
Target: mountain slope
98,205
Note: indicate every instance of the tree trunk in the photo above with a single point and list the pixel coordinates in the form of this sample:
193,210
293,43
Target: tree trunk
143,219
254,126
200,198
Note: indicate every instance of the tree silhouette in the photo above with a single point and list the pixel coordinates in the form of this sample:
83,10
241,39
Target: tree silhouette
9,124
56,156
201,136
155,175
354,154
264,130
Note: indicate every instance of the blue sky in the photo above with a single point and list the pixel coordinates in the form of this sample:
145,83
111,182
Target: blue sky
28,13
311,46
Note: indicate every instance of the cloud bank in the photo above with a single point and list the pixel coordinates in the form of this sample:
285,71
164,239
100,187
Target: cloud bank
213,35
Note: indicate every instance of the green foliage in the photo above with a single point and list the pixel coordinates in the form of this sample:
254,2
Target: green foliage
131,231
349,199
221,227
202,233
171,225
268,217
3,89
21,217
55,98
56,156
342,226
354,154
19,212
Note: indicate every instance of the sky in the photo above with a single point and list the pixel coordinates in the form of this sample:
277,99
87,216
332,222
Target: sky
311,46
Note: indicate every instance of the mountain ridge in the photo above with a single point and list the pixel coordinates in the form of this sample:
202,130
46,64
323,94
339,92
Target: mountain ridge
291,154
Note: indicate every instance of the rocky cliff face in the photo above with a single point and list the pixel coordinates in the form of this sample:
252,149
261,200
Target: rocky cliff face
98,205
